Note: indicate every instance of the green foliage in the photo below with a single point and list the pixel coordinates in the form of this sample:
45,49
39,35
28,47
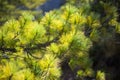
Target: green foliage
100,75
28,38
34,50
12,9
12,5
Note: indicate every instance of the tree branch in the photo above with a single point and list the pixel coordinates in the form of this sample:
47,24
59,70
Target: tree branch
37,46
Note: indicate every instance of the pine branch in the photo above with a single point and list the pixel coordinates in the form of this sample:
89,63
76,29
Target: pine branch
37,46
8,49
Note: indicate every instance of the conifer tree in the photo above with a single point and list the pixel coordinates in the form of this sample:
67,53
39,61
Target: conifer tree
33,49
